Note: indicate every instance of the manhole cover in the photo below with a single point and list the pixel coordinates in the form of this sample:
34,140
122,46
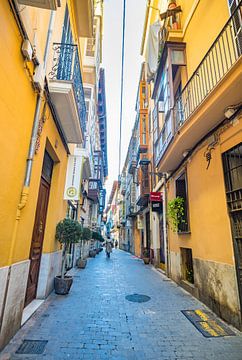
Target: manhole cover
32,347
137,298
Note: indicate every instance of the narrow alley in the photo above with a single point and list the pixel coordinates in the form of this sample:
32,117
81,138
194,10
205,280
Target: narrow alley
96,321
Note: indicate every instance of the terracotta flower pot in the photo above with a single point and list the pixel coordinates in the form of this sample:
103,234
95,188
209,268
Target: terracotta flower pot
146,260
62,286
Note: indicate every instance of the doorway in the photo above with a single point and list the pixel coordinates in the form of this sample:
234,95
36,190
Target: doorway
232,165
147,223
39,228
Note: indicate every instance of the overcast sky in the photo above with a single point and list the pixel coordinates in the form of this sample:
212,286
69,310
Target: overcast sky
112,50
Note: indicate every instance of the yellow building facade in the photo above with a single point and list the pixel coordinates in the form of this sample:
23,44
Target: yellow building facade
198,90
35,131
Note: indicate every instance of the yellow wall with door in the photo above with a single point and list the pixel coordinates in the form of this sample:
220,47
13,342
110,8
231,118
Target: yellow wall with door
17,108
210,237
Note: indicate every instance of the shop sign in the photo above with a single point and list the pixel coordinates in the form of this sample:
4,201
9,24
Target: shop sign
156,206
73,178
155,196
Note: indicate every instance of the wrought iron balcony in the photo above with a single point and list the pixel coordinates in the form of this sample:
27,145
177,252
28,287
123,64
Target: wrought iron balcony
217,62
66,70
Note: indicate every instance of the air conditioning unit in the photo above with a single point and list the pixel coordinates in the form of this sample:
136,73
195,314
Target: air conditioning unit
39,77
43,4
27,50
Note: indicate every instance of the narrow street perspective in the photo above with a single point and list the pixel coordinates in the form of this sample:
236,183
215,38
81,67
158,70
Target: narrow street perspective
121,179
97,321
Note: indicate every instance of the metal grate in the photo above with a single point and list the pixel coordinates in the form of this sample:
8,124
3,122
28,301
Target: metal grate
137,298
207,323
32,347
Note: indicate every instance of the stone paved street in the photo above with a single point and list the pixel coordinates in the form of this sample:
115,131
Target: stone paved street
95,321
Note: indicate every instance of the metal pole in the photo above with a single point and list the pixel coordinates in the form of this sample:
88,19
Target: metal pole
166,244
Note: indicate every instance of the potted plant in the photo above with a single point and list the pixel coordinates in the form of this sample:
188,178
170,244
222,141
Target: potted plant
85,236
146,256
68,231
176,213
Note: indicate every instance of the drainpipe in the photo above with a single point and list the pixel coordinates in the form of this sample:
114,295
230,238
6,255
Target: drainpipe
29,166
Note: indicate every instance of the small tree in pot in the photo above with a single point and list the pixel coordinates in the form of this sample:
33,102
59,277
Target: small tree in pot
68,231
146,256
85,235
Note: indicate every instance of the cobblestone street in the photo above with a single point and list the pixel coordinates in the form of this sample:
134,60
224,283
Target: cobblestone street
95,321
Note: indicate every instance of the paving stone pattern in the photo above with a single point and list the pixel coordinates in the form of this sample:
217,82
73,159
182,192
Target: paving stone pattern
95,321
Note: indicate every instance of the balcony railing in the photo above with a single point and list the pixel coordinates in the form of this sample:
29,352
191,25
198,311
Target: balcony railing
66,67
219,59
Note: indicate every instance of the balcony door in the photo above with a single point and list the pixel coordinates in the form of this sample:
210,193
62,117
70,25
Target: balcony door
237,24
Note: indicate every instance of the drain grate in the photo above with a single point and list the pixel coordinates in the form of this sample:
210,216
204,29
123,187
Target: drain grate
139,298
207,323
32,347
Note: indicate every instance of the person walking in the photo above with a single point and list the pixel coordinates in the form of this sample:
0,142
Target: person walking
108,247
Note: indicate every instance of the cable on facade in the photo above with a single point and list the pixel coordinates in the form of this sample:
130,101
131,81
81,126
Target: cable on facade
121,91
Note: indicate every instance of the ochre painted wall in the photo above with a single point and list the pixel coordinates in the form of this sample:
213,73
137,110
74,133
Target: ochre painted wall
205,25
210,237
17,108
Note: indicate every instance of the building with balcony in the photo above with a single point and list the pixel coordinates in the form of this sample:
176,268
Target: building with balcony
43,100
197,132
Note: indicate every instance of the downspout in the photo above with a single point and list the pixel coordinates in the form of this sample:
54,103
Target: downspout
29,166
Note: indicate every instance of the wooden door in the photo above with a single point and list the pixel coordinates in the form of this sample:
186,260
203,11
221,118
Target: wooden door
39,229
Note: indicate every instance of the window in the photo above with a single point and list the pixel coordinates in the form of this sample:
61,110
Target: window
90,49
144,140
187,265
181,191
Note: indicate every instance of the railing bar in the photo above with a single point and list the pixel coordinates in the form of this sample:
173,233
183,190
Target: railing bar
211,71
221,57
225,56
233,41
207,75
214,66
200,89
215,47
195,91
231,62
202,80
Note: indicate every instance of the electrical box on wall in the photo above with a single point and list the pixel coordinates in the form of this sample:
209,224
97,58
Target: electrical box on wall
39,77
27,50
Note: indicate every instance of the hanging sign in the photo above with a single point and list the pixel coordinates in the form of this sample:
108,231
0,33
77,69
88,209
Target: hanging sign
155,196
156,206
73,178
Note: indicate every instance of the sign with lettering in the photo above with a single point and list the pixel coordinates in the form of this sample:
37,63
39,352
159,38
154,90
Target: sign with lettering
155,196
73,177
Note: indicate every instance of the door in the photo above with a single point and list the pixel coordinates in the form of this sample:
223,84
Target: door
162,245
147,220
39,229
232,164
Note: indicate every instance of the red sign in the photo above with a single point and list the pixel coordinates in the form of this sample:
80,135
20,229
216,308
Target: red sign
155,196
